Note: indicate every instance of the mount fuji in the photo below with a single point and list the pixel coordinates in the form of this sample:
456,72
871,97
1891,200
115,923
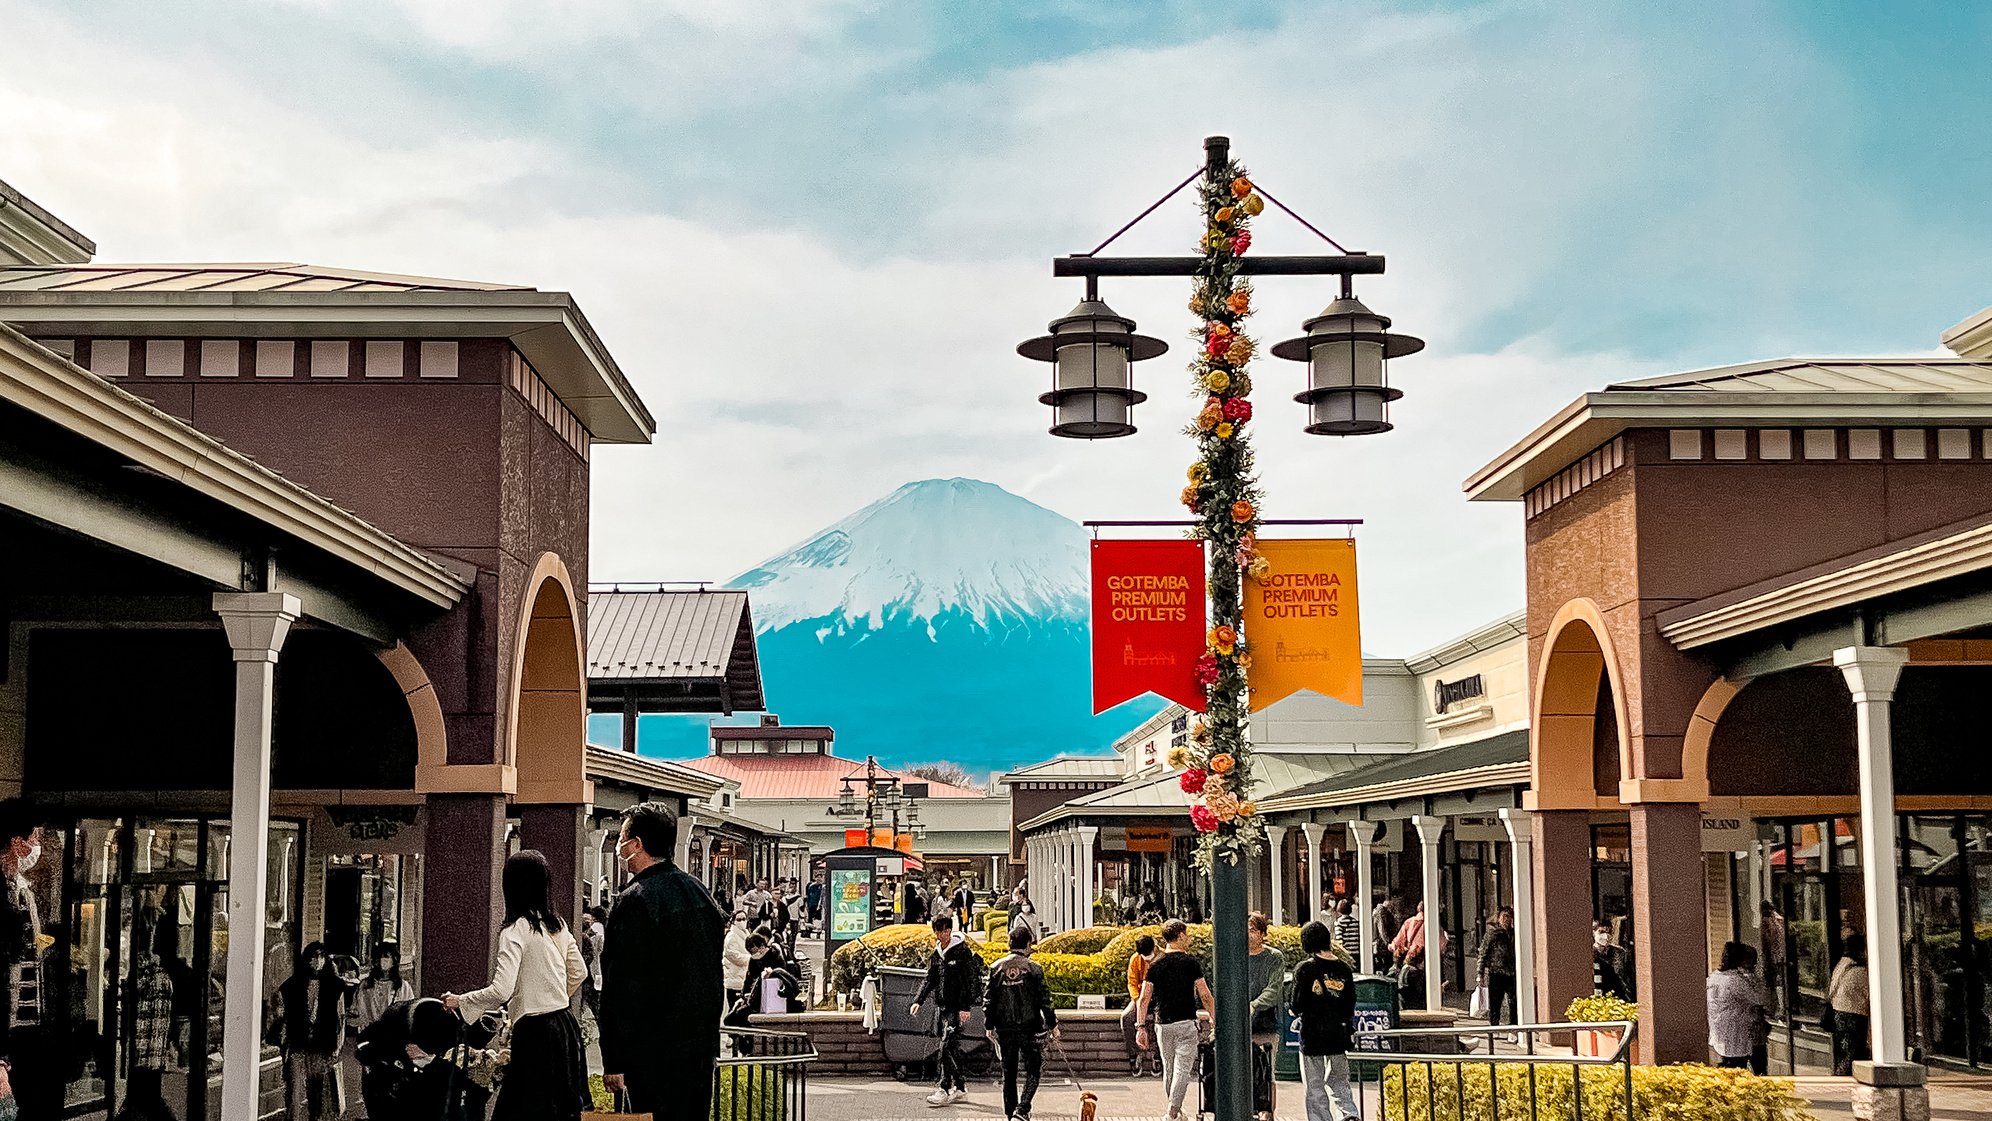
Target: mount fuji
946,621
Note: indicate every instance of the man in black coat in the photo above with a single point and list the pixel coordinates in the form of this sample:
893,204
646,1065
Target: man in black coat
954,980
662,988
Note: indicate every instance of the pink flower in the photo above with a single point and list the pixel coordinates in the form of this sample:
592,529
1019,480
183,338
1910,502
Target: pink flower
1203,819
1206,670
1242,242
1238,409
1193,780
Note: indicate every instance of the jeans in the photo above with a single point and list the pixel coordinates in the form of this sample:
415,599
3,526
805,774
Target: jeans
950,1064
1501,991
1329,1097
1177,1042
1025,1053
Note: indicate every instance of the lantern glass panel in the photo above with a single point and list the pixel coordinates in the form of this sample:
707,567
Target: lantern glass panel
1352,409
1087,365
1092,414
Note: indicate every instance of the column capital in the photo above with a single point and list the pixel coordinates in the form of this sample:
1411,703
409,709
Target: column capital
1871,671
1088,832
1279,831
257,622
1520,824
1313,831
1430,829
1362,833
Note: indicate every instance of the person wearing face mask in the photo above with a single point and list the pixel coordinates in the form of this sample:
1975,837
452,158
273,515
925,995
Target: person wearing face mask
1609,973
662,987
311,1007
383,986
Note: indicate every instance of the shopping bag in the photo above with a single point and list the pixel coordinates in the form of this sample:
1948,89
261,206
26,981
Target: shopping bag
1478,1007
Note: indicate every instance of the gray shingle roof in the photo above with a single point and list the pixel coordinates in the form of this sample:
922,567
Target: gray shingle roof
1073,767
1494,751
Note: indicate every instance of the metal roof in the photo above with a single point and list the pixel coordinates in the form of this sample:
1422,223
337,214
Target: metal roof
674,638
612,764
1831,375
258,276
1072,767
1501,749
1162,794
808,777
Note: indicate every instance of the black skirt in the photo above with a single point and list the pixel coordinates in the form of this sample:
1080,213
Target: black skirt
547,1076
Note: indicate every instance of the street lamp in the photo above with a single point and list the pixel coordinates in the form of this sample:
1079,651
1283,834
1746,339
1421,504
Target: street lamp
1092,351
1346,349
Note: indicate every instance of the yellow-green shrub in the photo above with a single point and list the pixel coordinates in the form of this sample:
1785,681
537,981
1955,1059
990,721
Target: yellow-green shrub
903,944
1599,1008
1687,1092
1086,940
995,923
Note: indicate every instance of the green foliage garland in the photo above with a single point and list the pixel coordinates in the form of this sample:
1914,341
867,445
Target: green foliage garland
1223,493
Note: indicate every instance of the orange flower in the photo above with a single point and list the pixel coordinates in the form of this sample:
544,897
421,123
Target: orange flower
1190,496
1240,187
1222,764
1223,638
1241,511
1223,214
1240,303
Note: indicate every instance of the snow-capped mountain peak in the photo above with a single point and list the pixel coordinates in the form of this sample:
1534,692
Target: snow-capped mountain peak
927,551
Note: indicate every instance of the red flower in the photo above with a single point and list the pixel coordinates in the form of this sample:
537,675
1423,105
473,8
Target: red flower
1218,344
1193,781
1203,819
1206,670
1238,409
1242,242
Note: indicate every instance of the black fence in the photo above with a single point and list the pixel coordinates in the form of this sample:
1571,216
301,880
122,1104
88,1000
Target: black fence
766,1078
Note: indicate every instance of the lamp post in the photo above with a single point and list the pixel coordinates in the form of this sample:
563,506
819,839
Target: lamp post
1347,347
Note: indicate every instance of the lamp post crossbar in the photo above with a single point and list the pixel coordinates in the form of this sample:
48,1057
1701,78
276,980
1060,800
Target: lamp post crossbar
1344,264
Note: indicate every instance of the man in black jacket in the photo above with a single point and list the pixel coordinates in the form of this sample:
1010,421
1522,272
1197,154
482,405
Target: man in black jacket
661,982
1019,1016
954,978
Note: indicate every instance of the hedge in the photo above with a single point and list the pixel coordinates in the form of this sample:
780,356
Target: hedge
1684,1092
1086,940
996,924
1101,973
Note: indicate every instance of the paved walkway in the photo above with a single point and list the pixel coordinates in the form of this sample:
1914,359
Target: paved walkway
1952,1098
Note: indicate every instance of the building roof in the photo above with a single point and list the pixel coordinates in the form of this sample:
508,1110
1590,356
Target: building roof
1499,759
1079,768
31,235
806,777
1162,795
1818,392
286,300
773,732
694,648
612,764
70,397
1494,635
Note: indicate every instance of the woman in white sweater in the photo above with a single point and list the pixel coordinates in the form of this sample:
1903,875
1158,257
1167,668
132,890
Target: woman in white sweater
539,972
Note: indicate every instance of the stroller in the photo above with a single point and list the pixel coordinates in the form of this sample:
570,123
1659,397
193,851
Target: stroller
397,1086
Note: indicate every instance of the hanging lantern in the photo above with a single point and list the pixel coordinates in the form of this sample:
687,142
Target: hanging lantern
1347,348
1092,352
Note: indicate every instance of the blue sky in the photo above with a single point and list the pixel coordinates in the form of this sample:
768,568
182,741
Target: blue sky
813,232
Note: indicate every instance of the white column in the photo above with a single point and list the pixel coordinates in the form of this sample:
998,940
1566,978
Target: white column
1521,841
1088,834
1871,673
1276,850
257,624
1363,835
591,864
1430,829
683,856
1072,880
1312,832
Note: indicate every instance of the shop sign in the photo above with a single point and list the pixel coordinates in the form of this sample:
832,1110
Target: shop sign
1113,838
1301,623
1726,833
1150,838
1148,621
1446,694
1479,829
850,903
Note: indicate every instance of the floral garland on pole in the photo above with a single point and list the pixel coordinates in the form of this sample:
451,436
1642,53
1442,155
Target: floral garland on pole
1223,493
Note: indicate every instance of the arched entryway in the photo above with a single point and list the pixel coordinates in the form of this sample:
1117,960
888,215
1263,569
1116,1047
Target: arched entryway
1580,751
547,737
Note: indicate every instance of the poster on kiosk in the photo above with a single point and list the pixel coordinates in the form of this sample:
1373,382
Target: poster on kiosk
861,884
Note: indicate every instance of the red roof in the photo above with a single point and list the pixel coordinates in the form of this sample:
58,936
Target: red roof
806,776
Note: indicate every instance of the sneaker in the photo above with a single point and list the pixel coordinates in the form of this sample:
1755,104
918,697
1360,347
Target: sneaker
957,1095
939,1098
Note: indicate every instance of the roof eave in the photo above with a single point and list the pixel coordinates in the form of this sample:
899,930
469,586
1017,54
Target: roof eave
1971,338
1498,774
548,328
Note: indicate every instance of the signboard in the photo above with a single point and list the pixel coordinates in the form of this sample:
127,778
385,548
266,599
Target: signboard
1148,621
1113,838
1095,1001
850,903
1150,838
1300,620
1389,835
1479,829
891,866
1726,833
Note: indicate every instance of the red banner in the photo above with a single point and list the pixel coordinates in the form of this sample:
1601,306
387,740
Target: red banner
1148,621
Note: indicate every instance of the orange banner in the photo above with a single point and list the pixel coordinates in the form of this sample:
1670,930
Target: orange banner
1301,622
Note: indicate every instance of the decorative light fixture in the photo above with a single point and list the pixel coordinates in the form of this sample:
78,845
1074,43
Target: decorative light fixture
1347,348
847,802
1092,351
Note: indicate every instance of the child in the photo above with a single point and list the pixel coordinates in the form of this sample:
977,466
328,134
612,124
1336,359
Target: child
1324,1000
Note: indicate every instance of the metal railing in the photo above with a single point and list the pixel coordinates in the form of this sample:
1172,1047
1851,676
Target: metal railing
1537,1081
766,1078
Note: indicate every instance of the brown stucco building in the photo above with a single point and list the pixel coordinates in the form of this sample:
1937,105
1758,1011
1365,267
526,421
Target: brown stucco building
1714,560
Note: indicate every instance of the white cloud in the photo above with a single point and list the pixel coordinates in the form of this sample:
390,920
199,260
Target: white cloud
798,374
